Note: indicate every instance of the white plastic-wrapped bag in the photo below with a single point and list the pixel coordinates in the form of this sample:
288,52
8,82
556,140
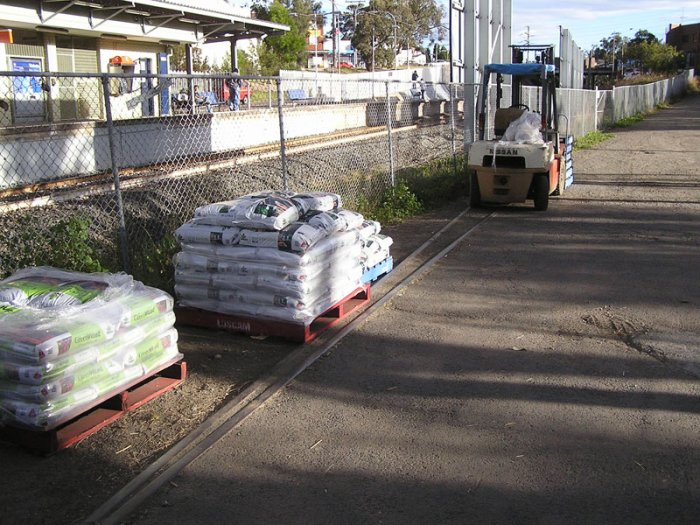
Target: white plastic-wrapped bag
525,129
353,219
376,249
193,231
265,211
209,266
329,221
317,254
295,238
304,315
319,201
369,228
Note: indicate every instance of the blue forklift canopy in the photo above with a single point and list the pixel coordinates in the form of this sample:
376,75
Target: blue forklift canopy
518,69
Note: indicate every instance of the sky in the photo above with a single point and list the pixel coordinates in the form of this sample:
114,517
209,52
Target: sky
588,20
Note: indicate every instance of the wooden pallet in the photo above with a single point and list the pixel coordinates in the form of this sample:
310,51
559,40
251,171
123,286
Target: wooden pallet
297,332
100,413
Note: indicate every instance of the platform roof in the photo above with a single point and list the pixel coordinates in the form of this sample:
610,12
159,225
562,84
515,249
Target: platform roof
177,21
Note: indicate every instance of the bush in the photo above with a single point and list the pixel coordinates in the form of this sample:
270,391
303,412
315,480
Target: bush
70,248
437,182
152,262
29,241
397,204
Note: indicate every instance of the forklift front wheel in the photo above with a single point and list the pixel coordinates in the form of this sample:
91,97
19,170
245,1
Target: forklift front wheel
541,191
474,193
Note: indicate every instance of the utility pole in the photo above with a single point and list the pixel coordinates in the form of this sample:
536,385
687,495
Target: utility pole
334,24
354,8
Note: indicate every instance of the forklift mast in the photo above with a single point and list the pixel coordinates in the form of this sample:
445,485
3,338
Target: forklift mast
543,78
543,54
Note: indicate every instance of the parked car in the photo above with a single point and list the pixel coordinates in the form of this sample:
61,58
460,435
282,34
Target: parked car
244,93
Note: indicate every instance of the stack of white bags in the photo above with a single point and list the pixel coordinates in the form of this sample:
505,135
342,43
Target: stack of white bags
68,339
277,255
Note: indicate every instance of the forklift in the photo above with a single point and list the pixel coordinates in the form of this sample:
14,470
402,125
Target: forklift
511,172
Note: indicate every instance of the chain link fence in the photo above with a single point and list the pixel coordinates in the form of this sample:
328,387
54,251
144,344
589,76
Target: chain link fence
99,170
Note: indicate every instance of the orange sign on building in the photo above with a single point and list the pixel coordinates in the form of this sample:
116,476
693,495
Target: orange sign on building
5,36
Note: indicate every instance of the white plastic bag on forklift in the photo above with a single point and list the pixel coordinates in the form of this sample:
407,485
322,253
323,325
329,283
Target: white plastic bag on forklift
525,129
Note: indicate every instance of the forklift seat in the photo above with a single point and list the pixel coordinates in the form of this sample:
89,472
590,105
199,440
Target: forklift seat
503,118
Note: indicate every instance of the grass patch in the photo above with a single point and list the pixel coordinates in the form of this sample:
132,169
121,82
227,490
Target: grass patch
592,139
626,122
694,85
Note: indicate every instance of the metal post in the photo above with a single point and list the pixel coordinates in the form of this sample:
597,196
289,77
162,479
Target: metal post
595,114
283,151
123,246
269,94
334,25
388,128
190,81
452,129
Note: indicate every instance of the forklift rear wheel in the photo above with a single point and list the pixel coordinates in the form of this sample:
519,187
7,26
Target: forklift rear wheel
474,193
541,191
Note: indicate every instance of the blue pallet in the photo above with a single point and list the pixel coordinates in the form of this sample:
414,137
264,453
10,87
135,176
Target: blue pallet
373,273
568,155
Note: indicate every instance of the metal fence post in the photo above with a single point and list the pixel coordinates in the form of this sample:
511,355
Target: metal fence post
595,113
283,151
388,129
614,112
123,246
452,128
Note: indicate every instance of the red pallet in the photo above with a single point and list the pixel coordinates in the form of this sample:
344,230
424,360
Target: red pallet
100,413
297,332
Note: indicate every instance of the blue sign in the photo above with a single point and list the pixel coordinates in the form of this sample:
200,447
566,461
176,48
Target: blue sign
26,85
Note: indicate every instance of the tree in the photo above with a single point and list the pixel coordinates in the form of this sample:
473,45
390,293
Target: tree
441,52
246,63
178,60
376,37
287,51
645,51
644,36
610,48
658,58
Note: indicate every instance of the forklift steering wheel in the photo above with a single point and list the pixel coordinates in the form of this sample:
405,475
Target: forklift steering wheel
527,108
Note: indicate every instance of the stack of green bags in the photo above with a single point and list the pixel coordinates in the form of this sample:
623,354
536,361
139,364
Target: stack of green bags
69,339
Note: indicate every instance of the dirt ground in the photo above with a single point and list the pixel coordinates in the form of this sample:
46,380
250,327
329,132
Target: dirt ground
627,334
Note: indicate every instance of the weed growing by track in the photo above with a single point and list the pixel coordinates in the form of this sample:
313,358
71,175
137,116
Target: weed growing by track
592,139
417,189
626,122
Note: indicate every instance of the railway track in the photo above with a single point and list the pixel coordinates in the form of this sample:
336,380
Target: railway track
130,497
